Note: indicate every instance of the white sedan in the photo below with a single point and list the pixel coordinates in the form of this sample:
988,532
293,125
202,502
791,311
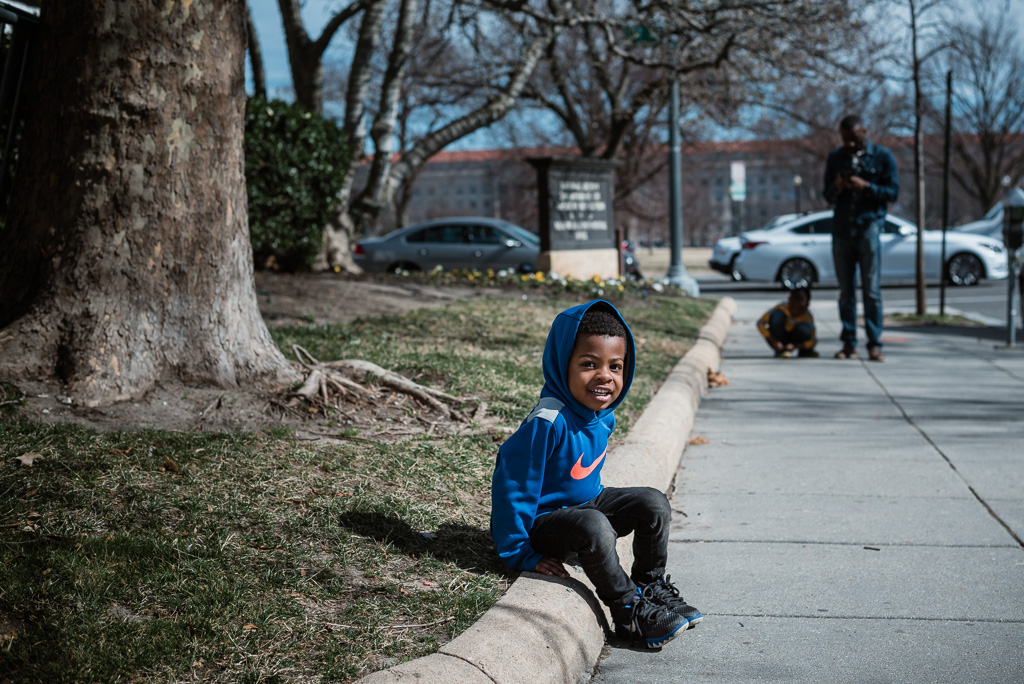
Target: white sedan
727,249
798,253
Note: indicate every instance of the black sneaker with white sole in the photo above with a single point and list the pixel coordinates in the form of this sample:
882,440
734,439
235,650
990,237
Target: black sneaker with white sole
664,593
643,621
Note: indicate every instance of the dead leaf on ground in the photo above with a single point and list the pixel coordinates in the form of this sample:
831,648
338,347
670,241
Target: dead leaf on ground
27,458
698,440
717,379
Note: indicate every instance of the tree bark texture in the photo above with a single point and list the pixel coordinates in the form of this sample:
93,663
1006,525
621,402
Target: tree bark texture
127,258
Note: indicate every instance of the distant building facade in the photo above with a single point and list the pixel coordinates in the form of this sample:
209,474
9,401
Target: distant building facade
781,176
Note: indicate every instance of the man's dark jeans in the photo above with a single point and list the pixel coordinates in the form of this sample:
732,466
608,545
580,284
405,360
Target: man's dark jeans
849,252
590,531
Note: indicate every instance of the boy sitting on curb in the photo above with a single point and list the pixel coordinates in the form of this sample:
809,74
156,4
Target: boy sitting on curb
790,326
547,500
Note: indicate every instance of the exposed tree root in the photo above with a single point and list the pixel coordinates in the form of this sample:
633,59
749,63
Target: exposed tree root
326,380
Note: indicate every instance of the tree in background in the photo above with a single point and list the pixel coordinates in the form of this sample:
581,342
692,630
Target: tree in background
987,60
441,76
808,120
259,76
371,107
607,81
127,258
306,54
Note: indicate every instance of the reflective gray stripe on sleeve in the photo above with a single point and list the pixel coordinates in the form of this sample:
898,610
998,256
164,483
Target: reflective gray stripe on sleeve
546,409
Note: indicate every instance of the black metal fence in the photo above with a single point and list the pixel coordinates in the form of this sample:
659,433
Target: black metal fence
17,30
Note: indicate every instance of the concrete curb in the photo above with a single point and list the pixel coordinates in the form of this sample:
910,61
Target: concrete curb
544,629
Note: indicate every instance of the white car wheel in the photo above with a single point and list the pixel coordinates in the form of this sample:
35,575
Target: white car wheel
964,269
797,273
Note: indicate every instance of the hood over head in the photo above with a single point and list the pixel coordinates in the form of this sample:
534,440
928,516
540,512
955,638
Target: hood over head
558,351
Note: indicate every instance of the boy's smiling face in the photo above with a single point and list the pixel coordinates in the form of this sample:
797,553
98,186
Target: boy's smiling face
595,370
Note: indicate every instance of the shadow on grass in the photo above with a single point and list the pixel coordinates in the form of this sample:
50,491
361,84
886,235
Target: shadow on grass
470,548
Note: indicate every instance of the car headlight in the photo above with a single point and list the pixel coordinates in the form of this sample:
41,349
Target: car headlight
996,247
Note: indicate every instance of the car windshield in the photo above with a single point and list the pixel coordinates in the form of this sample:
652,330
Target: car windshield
994,211
521,234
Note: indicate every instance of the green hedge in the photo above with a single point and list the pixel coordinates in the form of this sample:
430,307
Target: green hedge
295,161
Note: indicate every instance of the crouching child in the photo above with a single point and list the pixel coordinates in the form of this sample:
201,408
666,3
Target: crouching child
789,326
547,500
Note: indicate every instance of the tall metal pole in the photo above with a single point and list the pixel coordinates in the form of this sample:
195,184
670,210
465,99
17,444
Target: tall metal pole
945,190
677,274
1011,308
1013,217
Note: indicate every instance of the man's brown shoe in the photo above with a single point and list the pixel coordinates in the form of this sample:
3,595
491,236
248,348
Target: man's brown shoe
846,353
875,354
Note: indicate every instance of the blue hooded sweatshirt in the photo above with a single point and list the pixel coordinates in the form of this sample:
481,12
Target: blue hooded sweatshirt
554,459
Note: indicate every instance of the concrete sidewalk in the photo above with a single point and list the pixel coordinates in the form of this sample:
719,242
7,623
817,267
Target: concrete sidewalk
849,520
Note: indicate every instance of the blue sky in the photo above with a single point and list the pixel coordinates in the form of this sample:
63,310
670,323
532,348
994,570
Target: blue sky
316,13
267,17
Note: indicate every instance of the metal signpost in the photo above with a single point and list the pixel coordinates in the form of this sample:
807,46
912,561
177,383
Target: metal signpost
1013,236
738,191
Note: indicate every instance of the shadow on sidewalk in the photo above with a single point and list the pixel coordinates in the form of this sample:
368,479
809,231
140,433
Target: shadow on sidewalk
996,334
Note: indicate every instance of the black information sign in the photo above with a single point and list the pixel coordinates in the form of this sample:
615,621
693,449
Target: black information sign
576,203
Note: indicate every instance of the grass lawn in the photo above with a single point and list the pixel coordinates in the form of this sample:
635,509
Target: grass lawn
261,557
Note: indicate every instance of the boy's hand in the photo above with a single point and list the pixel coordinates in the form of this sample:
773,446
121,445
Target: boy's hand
552,567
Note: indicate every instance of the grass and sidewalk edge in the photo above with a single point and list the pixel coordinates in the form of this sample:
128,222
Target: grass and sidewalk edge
544,628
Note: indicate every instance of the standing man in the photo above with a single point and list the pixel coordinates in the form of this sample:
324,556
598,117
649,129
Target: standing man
860,181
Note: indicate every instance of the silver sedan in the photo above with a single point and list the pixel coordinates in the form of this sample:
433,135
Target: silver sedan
463,242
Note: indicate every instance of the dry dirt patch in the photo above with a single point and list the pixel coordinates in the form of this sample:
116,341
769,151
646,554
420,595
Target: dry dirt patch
321,298
304,299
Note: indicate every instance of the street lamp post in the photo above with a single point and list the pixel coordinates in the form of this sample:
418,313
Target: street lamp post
677,274
797,182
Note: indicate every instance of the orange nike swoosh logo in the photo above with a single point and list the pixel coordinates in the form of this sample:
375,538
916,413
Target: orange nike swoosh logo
578,472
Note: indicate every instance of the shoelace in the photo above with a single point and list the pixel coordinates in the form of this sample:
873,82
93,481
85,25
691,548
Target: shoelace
664,591
644,598
671,588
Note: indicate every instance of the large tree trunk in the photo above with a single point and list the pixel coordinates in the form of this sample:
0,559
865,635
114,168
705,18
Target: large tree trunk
127,257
